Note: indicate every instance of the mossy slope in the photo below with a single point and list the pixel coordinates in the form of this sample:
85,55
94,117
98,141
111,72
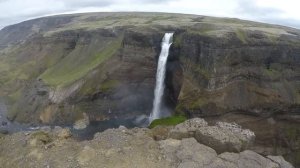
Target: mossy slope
79,62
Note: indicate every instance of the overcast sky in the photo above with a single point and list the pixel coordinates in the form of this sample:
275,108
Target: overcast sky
284,12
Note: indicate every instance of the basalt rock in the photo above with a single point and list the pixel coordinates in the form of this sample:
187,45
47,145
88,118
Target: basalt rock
121,147
55,69
223,137
187,129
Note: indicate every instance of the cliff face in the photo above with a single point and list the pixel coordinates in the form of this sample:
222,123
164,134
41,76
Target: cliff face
58,69
104,65
245,71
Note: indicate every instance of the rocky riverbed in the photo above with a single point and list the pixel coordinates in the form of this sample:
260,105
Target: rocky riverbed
178,146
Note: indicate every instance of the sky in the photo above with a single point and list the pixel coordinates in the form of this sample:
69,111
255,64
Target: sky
283,12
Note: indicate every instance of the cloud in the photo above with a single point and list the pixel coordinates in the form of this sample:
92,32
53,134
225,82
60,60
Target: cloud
272,11
249,8
268,12
13,11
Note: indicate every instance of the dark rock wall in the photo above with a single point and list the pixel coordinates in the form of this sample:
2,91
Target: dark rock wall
232,75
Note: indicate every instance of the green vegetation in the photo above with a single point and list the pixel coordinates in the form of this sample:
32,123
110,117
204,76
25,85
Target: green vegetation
174,120
77,64
177,40
195,68
197,103
272,38
158,18
179,109
241,34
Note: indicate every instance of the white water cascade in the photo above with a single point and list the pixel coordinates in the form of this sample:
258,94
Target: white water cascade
160,77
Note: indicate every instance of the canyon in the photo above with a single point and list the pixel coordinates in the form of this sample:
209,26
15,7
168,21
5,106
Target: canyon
57,70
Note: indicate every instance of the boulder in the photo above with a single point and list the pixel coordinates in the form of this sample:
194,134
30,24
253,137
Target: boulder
160,132
40,138
245,135
122,147
280,160
187,153
187,129
246,159
64,133
190,151
249,159
82,123
222,140
223,137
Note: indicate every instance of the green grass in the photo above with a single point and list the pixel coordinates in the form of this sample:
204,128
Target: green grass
174,120
76,65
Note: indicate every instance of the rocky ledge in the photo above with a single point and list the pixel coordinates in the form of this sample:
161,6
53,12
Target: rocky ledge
188,145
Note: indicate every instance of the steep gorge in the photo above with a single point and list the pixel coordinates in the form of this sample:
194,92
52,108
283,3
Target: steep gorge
55,70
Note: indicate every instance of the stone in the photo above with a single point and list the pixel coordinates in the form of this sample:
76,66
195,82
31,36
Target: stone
250,159
246,159
222,140
280,160
160,132
187,152
187,129
122,127
225,137
64,133
191,150
40,137
82,123
245,135
115,148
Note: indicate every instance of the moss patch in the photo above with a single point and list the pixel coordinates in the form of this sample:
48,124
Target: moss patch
174,120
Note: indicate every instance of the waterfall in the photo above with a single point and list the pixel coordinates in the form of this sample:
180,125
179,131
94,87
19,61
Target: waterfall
160,77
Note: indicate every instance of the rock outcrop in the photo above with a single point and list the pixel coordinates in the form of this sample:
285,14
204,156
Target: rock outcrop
121,147
224,137
187,129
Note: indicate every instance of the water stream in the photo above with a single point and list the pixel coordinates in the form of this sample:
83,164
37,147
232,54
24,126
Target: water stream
160,77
